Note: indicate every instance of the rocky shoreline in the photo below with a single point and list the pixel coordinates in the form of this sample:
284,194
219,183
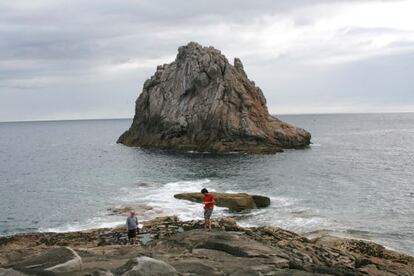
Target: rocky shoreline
169,246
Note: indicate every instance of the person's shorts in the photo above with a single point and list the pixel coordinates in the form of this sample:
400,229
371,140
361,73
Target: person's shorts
208,212
132,234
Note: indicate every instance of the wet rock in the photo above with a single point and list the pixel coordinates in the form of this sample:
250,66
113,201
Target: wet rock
261,201
235,202
147,184
120,210
201,102
139,209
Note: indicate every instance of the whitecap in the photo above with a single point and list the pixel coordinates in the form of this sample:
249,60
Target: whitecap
94,223
163,203
280,201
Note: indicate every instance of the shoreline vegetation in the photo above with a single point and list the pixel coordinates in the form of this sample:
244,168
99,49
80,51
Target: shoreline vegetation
168,246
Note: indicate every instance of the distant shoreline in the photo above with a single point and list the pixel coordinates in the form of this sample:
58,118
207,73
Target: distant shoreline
275,114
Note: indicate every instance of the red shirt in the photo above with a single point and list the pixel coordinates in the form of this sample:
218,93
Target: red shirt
208,198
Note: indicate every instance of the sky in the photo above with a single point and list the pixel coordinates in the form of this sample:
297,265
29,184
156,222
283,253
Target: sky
89,59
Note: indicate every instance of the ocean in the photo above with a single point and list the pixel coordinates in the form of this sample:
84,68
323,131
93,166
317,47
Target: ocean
355,180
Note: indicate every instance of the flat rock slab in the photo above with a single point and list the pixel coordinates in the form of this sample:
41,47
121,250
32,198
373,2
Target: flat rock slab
10,272
233,201
197,267
56,260
146,266
231,243
219,253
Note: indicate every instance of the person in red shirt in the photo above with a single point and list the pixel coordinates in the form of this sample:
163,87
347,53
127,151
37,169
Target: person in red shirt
208,200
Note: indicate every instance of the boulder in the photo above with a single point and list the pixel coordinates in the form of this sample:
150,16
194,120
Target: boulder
201,102
146,266
235,202
261,201
55,261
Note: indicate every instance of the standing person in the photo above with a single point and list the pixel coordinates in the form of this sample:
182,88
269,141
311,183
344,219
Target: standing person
132,226
208,200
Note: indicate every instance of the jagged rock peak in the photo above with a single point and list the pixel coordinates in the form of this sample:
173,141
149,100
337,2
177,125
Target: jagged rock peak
201,102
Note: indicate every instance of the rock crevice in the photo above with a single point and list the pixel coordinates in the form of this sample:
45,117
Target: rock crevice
201,102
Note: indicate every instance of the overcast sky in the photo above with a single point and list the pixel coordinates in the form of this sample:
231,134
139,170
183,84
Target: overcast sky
89,59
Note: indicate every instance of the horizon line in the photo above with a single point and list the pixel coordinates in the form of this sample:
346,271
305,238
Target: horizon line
281,114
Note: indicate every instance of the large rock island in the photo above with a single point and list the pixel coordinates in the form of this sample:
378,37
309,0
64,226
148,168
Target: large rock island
201,102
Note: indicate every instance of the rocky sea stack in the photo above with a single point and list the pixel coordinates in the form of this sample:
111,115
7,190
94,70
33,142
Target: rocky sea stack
200,102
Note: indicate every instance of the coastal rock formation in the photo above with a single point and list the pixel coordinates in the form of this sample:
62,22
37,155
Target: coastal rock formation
235,202
146,266
200,102
185,248
55,261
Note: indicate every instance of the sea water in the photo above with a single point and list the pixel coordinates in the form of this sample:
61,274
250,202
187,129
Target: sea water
355,180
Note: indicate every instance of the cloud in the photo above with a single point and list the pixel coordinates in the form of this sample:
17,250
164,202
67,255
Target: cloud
91,57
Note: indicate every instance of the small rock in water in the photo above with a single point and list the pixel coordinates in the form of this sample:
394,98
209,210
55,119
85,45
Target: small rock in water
235,202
